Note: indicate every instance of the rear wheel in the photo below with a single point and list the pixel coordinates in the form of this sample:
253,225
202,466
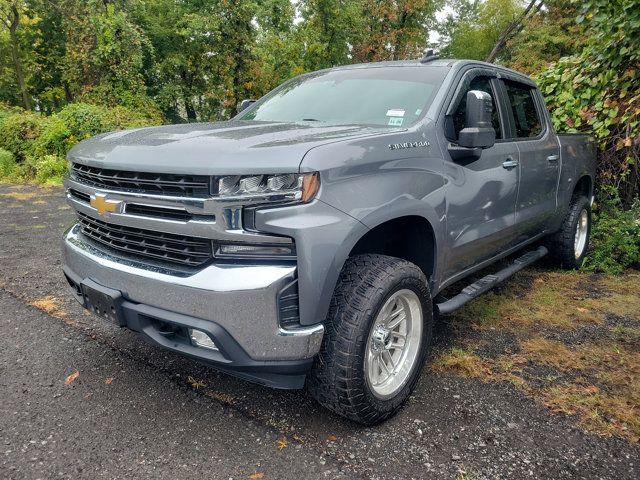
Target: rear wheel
378,333
568,247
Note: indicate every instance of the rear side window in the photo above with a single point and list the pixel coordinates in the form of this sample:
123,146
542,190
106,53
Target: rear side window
523,106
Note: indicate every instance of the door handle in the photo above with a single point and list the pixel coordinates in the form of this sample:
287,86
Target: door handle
510,163
553,159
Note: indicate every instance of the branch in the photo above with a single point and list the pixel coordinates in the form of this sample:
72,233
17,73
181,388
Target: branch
512,29
4,15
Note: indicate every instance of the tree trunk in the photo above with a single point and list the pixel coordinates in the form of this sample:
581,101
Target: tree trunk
188,106
513,28
15,56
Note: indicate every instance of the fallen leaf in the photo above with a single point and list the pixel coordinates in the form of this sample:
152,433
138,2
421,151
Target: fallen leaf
332,438
282,444
583,310
196,383
108,381
591,389
256,476
71,377
50,305
297,438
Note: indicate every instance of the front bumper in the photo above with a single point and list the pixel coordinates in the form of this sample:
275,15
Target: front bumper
236,304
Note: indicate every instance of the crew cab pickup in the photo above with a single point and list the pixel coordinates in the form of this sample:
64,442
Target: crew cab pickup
308,240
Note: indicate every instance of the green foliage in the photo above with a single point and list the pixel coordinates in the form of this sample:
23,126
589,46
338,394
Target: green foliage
551,34
598,91
473,28
615,236
50,169
78,121
104,57
35,146
393,30
7,164
19,131
329,27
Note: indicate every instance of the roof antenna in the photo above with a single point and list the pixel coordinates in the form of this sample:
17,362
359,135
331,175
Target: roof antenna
429,56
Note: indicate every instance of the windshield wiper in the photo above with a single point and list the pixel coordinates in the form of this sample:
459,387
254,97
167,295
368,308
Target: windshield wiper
310,120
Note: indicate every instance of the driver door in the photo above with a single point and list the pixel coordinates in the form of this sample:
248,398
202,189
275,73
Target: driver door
480,193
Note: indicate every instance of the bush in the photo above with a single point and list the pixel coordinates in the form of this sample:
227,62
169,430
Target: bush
35,146
7,164
18,132
79,121
615,236
50,169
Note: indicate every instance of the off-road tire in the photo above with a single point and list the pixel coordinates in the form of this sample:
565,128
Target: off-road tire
337,380
561,244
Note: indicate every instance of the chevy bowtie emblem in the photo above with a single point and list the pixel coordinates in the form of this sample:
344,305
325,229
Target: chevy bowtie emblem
102,204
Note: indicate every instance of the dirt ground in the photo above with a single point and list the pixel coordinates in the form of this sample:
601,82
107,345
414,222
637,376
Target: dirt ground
538,379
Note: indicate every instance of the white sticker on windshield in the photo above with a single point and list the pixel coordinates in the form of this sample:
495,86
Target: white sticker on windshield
395,121
395,112
418,111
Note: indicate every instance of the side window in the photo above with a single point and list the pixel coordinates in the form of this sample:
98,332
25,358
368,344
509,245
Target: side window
459,116
525,113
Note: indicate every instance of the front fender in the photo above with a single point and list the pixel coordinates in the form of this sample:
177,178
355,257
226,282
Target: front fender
324,238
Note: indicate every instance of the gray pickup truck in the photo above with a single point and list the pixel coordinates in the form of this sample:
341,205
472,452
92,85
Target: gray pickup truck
309,239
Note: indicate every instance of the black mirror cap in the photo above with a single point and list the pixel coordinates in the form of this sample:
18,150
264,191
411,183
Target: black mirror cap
479,132
245,103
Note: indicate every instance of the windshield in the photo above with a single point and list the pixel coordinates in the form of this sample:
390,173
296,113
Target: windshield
391,96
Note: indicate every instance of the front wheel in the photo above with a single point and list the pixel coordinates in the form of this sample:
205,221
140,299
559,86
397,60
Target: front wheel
568,247
378,333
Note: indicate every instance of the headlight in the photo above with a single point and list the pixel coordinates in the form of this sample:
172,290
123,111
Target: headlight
280,187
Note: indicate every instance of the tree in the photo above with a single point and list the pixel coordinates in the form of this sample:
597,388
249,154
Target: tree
547,36
394,30
45,36
238,36
474,27
279,47
514,28
104,55
330,28
11,12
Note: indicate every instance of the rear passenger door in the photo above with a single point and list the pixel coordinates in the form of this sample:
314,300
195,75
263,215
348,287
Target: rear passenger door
539,158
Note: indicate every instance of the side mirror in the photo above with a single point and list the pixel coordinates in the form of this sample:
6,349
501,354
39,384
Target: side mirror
245,103
478,132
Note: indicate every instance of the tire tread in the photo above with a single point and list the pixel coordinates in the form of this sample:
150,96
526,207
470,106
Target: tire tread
336,380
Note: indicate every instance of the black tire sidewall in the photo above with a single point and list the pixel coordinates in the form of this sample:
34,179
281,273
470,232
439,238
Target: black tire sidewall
389,406
581,203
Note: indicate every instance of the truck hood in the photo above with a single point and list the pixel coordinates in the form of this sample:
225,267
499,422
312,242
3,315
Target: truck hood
212,148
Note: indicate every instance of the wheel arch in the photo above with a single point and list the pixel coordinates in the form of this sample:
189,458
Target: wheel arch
584,186
409,237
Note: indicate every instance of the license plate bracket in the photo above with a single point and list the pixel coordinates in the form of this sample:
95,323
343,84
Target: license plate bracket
102,301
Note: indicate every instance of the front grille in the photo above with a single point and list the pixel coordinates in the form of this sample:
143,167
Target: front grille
169,247
197,186
159,212
83,197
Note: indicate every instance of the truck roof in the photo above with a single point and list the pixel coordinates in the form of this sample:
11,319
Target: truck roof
456,64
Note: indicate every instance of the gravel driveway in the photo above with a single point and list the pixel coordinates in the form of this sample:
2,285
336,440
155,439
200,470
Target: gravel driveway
135,411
